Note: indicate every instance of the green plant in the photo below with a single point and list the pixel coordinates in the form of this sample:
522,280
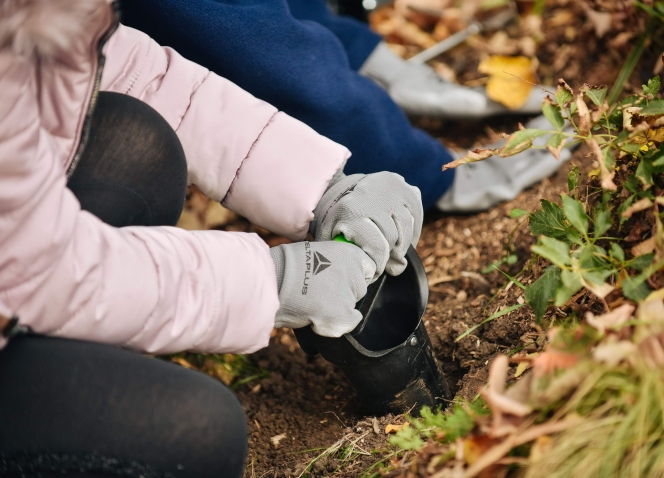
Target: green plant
443,427
626,185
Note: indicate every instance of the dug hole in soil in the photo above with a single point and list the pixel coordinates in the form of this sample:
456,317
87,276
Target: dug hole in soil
306,405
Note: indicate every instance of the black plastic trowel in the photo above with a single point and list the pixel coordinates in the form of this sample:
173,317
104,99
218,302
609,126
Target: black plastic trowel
388,358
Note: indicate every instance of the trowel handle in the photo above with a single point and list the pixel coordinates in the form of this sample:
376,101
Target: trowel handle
366,303
341,238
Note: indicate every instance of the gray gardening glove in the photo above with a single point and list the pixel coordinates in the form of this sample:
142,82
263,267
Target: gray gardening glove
419,90
481,185
379,212
319,284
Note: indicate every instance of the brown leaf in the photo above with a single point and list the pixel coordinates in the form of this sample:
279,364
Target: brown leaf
499,403
644,247
611,319
556,151
601,21
640,205
613,353
606,175
475,446
277,439
498,451
551,360
584,115
637,230
471,157
597,114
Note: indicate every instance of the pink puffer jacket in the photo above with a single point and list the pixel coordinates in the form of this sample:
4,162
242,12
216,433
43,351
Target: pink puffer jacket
156,289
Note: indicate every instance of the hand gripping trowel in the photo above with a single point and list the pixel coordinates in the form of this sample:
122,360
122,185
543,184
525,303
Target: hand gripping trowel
388,358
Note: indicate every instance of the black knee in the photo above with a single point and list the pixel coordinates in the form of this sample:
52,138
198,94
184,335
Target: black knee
216,432
70,406
132,168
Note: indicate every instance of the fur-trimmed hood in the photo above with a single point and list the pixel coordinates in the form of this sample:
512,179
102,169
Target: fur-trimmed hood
44,27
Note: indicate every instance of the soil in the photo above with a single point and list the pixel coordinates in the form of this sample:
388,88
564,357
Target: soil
308,402
305,410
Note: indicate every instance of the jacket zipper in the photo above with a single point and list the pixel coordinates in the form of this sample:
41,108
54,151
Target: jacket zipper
101,60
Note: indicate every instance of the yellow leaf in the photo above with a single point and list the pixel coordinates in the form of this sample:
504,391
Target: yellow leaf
184,362
522,367
657,295
395,428
510,79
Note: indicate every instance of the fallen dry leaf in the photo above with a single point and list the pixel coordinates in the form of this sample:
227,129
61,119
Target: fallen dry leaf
277,439
606,175
656,295
499,403
611,319
393,428
471,157
644,247
184,362
190,221
217,215
216,369
614,353
551,360
601,21
475,446
584,115
503,448
600,290
651,311
510,79
640,205
522,367
652,351
540,448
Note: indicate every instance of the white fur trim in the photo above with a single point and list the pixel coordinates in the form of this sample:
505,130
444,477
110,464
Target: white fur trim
43,27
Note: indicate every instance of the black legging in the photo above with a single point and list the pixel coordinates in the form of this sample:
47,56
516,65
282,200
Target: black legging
78,409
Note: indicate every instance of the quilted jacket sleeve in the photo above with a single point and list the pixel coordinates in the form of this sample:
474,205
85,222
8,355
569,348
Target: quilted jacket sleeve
259,162
65,273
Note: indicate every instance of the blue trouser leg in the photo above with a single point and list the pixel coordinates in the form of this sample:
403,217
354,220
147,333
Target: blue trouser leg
302,68
358,40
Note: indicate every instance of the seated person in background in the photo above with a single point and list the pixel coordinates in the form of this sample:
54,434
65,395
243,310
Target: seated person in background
324,70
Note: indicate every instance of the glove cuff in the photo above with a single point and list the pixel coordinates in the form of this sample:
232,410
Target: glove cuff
279,260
